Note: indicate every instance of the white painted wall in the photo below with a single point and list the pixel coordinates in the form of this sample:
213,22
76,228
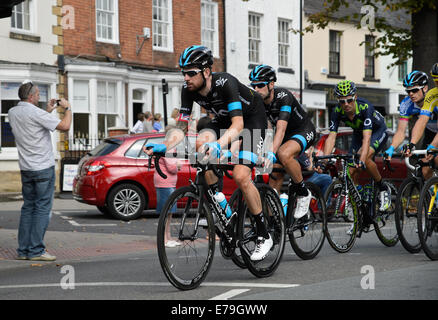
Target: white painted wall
237,37
23,51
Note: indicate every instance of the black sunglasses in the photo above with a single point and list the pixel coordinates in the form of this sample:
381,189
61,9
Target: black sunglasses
258,85
414,90
190,73
344,101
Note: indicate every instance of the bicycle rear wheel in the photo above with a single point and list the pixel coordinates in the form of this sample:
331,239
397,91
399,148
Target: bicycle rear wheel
187,264
384,221
341,224
306,235
427,219
406,205
247,233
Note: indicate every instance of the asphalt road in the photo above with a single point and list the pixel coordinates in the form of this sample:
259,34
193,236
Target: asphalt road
370,271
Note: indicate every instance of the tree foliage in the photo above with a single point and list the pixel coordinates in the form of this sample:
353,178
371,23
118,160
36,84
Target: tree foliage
393,39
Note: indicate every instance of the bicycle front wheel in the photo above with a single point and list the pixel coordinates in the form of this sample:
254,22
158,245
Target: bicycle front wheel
247,233
341,224
185,239
427,219
384,222
406,205
306,235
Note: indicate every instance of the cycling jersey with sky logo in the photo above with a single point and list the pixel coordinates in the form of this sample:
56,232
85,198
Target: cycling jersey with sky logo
227,98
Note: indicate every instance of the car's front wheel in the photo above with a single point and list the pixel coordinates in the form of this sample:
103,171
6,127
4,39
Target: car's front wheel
126,202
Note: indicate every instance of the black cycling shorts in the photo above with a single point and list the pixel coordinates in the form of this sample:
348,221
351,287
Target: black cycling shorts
251,139
377,142
305,136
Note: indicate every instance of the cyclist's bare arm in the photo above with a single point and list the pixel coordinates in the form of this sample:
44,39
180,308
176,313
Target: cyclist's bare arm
174,137
330,143
399,135
232,132
279,134
435,141
365,145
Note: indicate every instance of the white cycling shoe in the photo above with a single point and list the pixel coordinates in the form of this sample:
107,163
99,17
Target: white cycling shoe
262,248
302,205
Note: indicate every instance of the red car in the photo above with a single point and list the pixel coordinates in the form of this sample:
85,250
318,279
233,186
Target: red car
115,176
342,145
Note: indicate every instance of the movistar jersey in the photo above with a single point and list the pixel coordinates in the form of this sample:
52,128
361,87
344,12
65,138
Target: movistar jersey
285,107
430,109
227,98
365,118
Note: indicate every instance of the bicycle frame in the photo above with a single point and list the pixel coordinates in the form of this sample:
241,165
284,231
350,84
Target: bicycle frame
356,199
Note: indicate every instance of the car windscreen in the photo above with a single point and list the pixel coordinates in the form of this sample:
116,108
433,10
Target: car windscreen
106,147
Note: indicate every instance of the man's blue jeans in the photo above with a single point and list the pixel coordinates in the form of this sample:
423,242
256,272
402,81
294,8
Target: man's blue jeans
321,180
38,189
162,195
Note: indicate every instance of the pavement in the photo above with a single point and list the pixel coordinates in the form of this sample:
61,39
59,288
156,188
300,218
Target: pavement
67,246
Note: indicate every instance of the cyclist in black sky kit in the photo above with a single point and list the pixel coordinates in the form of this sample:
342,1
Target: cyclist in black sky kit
236,107
294,131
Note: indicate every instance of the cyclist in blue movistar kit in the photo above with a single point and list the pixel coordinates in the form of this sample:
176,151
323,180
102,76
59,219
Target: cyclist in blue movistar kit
294,132
411,107
369,133
236,107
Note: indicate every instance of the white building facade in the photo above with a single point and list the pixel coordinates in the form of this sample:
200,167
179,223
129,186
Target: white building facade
259,32
27,43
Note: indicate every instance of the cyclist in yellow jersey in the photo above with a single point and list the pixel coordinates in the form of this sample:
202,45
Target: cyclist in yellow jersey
431,99
430,107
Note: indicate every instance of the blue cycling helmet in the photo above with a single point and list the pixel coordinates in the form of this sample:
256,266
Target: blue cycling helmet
261,73
415,78
196,56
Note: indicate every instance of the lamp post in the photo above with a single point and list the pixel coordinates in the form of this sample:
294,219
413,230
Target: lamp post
165,92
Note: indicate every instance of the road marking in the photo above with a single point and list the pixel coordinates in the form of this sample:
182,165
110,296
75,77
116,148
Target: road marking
229,294
153,284
97,225
250,285
74,223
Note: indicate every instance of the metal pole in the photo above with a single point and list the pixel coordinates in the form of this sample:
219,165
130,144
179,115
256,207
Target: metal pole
165,91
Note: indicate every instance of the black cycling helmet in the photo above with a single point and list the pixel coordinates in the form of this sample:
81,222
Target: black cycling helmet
196,56
262,72
434,72
345,88
415,78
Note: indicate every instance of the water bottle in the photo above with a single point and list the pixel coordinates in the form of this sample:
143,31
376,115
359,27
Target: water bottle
284,199
368,191
220,198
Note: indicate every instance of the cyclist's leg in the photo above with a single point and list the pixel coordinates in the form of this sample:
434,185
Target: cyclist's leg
294,143
355,147
378,140
428,138
276,180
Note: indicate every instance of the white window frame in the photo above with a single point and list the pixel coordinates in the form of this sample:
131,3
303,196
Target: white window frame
115,21
32,19
106,112
169,22
254,38
284,35
215,31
